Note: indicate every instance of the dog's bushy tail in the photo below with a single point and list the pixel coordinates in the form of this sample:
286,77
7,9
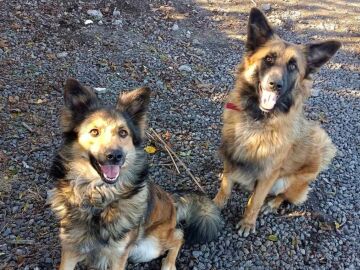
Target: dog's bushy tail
199,216
325,148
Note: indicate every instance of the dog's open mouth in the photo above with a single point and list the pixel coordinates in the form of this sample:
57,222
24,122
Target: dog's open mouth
267,99
110,173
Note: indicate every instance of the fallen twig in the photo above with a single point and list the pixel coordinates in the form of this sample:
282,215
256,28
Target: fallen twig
295,214
178,159
194,55
27,127
166,147
21,242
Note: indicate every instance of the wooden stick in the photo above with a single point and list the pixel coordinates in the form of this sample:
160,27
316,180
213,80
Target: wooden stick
21,242
167,150
178,159
27,127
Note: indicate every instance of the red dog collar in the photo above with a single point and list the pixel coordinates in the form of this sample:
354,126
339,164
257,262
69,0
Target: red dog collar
232,106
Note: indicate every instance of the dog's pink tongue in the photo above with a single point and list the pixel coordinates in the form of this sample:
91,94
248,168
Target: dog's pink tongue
110,171
267,99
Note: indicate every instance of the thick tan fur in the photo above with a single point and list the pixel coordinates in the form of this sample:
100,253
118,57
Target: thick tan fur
161,225
103,222
286,151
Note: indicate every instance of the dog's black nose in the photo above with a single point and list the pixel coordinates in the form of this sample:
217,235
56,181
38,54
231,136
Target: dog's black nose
276,85
114,155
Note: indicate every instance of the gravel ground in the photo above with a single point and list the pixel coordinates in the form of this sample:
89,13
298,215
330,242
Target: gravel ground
186,51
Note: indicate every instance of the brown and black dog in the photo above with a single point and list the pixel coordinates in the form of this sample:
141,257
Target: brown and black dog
267,144
108,210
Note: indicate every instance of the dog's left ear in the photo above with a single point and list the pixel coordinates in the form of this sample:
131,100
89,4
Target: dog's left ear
135,103
317,54
259,30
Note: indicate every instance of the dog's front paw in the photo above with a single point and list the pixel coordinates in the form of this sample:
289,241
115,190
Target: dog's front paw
165,265
245,227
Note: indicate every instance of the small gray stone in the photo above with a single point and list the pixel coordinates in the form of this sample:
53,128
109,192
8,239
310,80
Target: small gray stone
87,22
186,68
7,232
196,253
61,55
95,14
116,13
196,42
117,22
175,27
266,7
315,92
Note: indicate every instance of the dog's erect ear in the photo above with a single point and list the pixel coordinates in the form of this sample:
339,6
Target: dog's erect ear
135,103
259,30
79,98
318,54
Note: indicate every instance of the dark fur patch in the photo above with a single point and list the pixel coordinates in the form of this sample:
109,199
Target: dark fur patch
134,129
247,166
317,54
58,170
150,202
79,99
251,105
259,30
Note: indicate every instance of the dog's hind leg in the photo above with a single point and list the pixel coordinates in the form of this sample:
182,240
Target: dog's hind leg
296,192
175,244
272,205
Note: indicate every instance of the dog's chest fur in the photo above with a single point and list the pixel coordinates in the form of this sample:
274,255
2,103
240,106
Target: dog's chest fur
253,149
99,233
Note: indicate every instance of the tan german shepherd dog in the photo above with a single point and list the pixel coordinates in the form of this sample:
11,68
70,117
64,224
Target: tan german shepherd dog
267,144
108,210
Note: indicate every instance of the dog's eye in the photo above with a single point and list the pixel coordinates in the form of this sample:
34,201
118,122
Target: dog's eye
269,59
123,133
94,132
292,65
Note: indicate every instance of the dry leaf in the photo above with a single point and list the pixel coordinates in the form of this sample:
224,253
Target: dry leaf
3,44
325,226
273,237
337,225
167,136
51,56
185,153
294,241
150,149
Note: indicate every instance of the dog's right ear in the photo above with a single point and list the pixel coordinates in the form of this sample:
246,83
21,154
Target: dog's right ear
78,98
259,30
